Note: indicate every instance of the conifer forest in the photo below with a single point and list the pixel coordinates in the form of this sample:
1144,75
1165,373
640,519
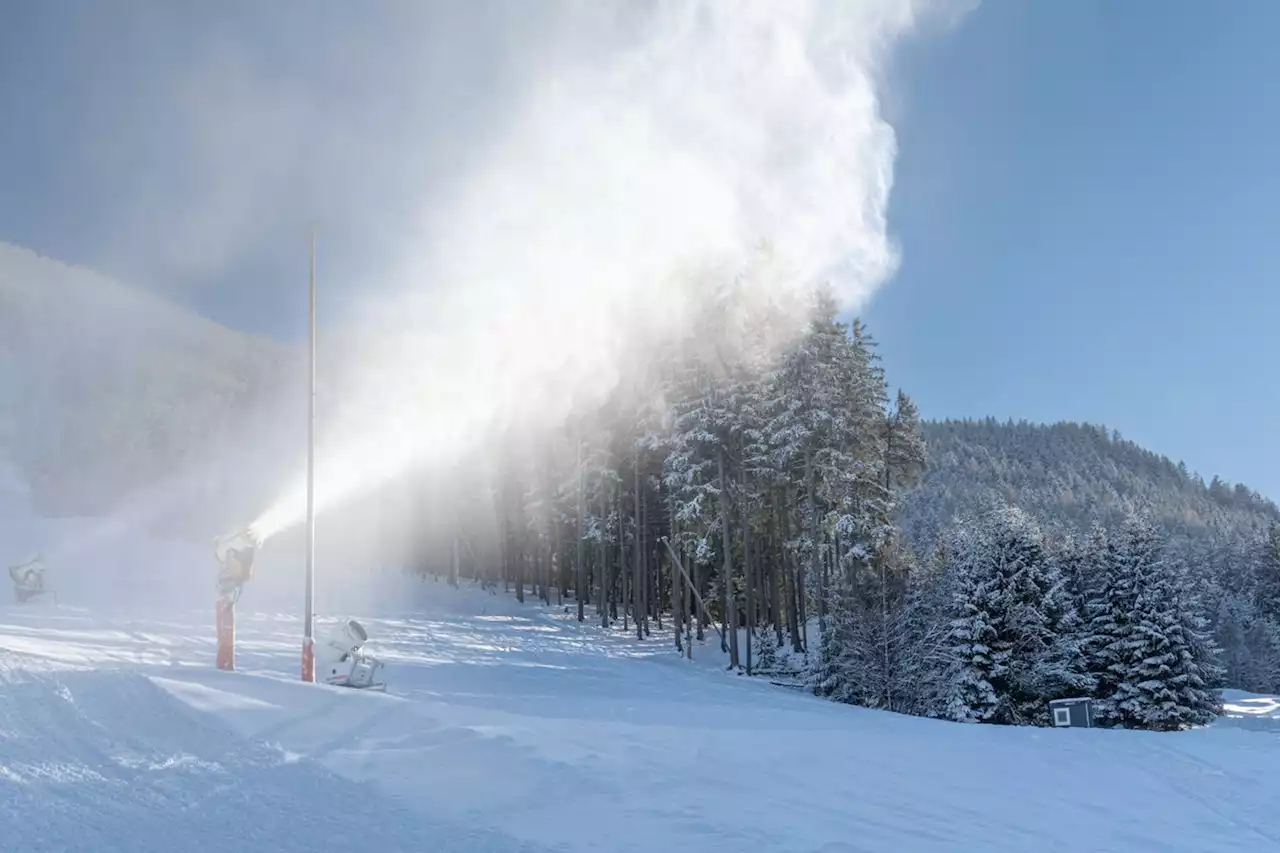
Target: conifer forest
783,504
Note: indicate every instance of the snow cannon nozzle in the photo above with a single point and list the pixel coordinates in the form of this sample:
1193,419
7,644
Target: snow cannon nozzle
348,637
235,553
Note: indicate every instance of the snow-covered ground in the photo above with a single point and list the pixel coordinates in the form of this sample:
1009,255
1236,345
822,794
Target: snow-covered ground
512,727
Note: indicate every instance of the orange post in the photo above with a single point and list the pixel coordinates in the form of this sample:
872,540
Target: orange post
308,659
226,635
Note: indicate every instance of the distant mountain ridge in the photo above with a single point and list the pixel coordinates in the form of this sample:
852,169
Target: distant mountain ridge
1069,475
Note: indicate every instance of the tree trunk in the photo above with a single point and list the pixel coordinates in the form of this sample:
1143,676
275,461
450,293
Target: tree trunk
550,546
579,569
699,616
803,603
602,582
815,569
884,628
555,568
519,570
778,559
747,580
679,610
637,545
790,574
727,595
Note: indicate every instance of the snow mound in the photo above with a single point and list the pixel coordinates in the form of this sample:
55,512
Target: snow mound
1250,711
102,760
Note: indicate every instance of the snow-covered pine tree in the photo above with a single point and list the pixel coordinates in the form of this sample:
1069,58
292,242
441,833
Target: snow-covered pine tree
1250,645
1028,595
872,650
1262,639
715,422
926,666
1063,669
1107,621
839,671
1007,602
977,665
1266,575
905,452
1164,662
767,660
824,431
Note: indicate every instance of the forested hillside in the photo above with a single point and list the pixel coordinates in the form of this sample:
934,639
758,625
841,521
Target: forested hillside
1071,475
1075,483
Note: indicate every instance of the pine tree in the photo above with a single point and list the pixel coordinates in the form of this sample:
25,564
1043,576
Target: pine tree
1110,603
1062,670
768,661
1266,572
824,431
1010,606
1250,645
1164,662
977,664
837,673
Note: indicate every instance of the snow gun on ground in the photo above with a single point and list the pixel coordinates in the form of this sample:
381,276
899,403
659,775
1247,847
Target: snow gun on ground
341,661
28,579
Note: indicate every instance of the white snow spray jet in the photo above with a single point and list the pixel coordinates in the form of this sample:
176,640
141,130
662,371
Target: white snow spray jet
656,150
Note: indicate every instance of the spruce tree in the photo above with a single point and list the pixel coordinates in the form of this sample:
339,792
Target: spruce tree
767,663
1266,572
977,665
1110,603
837,672
1062,669
1164,661
1010,608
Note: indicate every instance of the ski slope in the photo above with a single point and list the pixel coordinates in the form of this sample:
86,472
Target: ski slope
511,727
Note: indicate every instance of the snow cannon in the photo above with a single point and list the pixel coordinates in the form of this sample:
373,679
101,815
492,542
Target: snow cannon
340,659
28,579
234,553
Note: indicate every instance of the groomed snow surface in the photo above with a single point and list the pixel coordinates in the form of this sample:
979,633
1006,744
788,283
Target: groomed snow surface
511,727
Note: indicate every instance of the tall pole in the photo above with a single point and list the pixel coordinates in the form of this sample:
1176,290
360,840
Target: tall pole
308,636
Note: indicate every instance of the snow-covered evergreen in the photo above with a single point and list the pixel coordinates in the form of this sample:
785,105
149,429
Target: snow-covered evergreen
1008,606
1158,654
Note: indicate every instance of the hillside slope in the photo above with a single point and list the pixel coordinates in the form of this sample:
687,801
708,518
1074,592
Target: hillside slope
1071,475
106,390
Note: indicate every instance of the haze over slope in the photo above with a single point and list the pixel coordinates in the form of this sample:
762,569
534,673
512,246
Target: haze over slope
108,391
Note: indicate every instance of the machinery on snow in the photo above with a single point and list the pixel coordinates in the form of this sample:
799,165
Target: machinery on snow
29,579
340,658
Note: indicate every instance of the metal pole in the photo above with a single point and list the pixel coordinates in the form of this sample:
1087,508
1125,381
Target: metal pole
308,636
696,595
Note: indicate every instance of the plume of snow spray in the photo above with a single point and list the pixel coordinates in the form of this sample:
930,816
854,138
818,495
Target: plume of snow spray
654,153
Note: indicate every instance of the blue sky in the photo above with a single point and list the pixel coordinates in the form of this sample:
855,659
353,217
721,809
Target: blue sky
1086,199
1084,196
